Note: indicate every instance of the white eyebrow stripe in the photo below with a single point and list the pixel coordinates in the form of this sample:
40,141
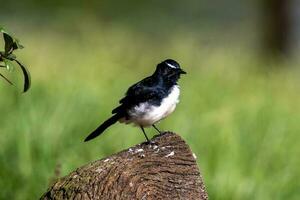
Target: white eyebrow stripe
171,65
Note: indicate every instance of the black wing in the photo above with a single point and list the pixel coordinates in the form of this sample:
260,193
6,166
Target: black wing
145,90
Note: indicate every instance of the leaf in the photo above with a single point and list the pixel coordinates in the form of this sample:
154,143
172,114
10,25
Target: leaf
17,44
8,64
9,43
6,79
11,57
27,81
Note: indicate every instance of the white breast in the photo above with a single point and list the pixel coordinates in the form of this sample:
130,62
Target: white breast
146,115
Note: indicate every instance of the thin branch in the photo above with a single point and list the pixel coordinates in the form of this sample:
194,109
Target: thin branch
6,79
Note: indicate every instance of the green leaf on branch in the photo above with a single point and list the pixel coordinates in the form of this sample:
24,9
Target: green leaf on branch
8,64
26,74
11,43
11,57
7,57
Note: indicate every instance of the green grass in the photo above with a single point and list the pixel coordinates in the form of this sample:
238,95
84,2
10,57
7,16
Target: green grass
241,121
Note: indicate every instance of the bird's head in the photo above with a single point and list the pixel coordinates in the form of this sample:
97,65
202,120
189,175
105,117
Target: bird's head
169,70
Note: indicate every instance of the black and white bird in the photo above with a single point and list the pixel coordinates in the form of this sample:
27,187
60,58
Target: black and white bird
149,100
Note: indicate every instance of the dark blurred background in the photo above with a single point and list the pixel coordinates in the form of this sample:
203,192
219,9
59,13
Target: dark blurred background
271,24
239,108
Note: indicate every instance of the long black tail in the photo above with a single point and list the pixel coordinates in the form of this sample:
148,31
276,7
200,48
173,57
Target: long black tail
103,126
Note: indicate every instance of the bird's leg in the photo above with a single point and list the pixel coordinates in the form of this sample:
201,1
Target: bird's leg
148,141
156,129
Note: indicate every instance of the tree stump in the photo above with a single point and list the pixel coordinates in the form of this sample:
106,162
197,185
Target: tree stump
164,169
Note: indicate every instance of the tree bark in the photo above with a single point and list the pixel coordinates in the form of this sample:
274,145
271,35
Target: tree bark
164,169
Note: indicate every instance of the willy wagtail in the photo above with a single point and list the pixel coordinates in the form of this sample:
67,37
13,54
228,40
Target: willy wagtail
149,100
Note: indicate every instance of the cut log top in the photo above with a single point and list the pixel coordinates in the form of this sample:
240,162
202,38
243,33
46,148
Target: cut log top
166,169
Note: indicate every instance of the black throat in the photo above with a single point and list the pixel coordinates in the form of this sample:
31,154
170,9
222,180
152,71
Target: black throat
166,82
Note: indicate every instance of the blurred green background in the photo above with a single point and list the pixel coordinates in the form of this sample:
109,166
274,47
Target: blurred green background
239,108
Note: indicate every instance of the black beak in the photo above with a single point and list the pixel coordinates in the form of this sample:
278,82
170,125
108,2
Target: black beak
181,71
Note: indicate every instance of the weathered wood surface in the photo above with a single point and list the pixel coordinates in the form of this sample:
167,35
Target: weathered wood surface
166,169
